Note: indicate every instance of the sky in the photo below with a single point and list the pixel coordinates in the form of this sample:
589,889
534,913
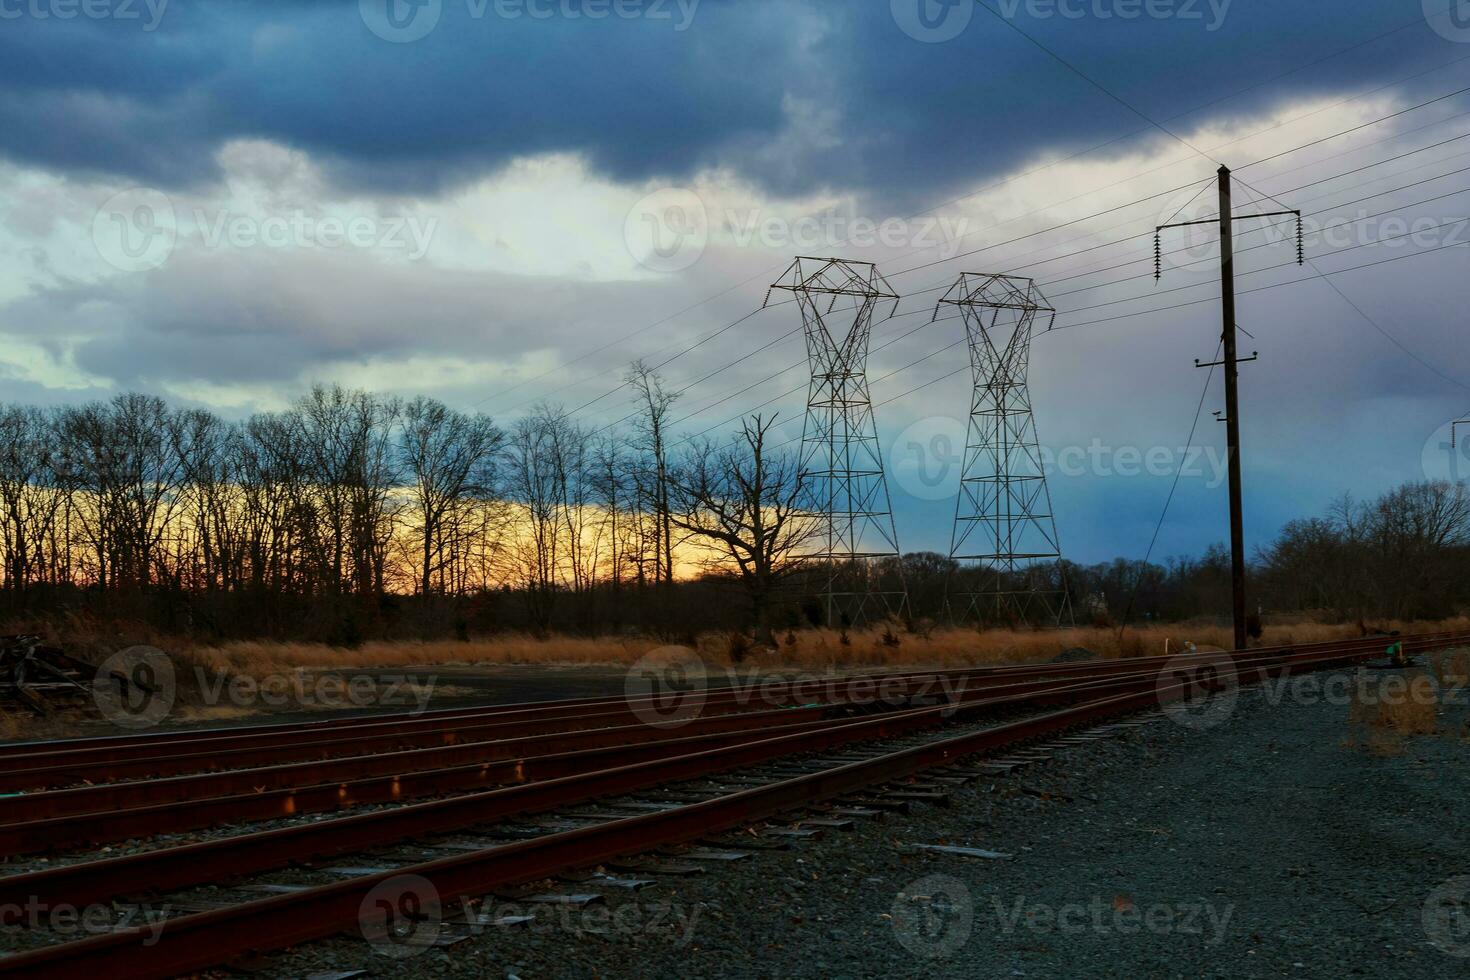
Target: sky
504,202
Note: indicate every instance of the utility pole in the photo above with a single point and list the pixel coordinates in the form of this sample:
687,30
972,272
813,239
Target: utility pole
1231,363
1232,410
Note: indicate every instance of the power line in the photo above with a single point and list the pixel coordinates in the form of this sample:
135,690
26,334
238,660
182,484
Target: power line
1030,267
1276,224
1180,306
1258,289
1019,217
743,319
1153,197
1273,225
1150,225
1379,327
1173,489
1093,82
1255,272
1099,286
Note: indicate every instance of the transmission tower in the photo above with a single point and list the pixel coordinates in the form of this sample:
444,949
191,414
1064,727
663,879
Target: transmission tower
1005,535
841,461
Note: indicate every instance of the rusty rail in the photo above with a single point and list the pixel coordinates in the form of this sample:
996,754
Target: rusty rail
199,940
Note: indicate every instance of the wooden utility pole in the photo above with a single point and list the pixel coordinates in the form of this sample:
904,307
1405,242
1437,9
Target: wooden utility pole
1231,363
1232,411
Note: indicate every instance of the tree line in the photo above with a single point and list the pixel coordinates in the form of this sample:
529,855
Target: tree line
352,515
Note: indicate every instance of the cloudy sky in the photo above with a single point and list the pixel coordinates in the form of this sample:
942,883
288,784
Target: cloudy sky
497,202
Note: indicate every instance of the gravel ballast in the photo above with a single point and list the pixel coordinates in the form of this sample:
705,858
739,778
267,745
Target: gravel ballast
1272,838
1275,839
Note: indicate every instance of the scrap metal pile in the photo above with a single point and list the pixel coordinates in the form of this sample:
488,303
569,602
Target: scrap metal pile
41,678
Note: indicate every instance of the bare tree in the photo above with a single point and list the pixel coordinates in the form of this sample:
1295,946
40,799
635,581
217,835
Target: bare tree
120,453
29,497
741,501
277,507
534,488
653,420
451,458
208,452
346,438
1413,531
608,484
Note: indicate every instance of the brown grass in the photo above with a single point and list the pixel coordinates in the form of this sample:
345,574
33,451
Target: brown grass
806,650
1405,703
258,656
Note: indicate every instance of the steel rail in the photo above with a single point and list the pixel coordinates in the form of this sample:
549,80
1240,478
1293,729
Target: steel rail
492,741
75,761
79,764
179,867
349,767
289,732
112,812
190,864
105,811
200,940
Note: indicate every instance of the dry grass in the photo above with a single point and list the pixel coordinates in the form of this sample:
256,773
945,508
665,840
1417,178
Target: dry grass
806,649
1405,703
1390,708
259,657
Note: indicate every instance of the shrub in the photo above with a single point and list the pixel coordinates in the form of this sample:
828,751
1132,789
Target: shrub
737,646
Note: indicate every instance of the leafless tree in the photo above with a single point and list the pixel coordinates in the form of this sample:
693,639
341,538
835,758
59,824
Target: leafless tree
534,487
451,458
608,483
655,403
121,454
1412,532
741,501
209,456
29,497
347,442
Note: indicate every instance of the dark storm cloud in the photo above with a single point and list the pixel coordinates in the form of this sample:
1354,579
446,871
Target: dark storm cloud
876,111
1332,405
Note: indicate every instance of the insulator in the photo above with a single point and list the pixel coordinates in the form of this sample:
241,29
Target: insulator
1301,255
1158,258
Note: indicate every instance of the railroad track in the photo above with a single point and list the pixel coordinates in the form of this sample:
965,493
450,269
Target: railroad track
568,809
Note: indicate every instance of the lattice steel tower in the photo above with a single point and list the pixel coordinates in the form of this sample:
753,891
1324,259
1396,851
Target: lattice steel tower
1005,535
841,460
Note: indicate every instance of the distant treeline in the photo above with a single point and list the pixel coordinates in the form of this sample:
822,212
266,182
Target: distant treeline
353,516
